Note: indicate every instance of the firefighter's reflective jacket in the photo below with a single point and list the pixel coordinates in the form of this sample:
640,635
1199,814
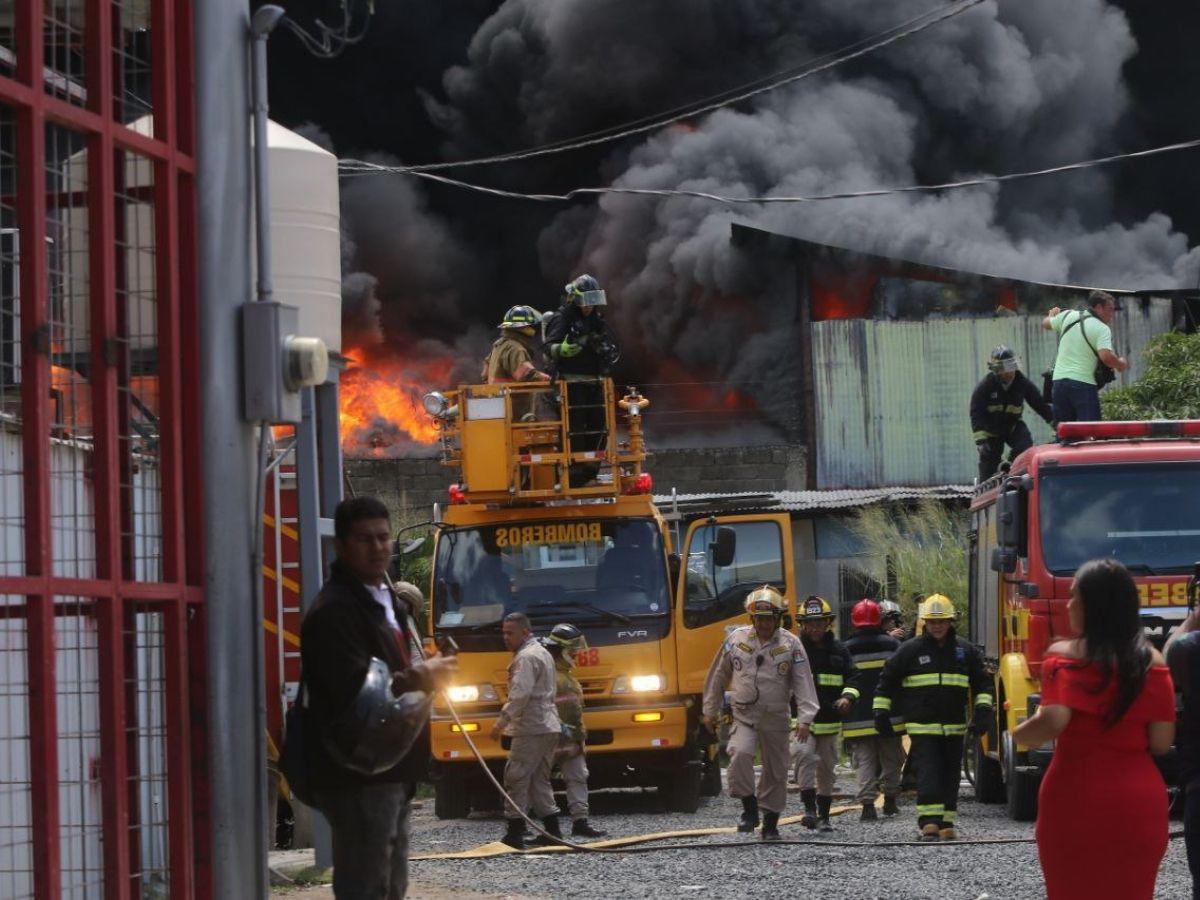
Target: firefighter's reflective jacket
996,407
835,676
870,648
929,685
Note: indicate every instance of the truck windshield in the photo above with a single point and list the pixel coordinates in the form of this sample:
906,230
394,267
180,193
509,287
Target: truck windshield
1145,515
609,571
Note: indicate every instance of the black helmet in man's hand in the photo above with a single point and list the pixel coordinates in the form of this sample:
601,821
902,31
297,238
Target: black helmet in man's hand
379,728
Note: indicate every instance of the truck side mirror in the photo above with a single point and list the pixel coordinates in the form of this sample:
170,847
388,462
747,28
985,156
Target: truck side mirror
724,547
1010,520
1004,559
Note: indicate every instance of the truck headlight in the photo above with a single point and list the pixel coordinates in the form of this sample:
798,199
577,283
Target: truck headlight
638,684
471,693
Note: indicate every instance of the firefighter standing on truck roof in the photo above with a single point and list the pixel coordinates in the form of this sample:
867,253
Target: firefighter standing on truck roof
997,404
878,759
766,669
530,719
564,642
837,689
932,677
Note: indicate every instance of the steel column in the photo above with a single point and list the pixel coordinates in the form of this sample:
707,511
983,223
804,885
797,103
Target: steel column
237,752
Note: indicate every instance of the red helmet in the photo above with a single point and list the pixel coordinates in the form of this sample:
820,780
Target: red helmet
865,614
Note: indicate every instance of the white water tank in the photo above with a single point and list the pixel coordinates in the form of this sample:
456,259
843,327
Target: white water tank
305,238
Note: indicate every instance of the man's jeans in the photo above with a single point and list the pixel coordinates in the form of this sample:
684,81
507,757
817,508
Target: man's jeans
1075,401
370,840
1191,836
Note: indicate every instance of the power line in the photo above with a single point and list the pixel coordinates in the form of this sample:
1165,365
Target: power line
706,105
576,193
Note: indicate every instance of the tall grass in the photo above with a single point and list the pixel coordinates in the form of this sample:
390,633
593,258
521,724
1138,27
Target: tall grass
926,544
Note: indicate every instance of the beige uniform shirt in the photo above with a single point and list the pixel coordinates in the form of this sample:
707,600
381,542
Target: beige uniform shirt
531,691
509,353
763,677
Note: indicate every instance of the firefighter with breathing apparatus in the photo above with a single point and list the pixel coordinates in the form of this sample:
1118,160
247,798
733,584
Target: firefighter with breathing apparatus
929,681
766,669
837,688
564,642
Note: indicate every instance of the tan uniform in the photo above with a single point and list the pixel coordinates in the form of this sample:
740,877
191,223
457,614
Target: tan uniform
509,353
531,720
764,677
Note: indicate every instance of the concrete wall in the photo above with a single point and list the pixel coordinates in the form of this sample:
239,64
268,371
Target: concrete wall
411,486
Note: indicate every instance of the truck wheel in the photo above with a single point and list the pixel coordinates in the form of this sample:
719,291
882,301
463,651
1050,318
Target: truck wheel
710,781
1021,787
989,779
450,798
683,790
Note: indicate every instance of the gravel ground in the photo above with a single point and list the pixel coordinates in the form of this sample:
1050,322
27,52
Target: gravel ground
931,870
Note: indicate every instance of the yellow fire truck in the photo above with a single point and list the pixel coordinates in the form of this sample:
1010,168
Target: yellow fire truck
553,515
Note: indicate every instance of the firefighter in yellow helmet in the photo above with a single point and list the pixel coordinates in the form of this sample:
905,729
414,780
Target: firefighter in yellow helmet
837,689
765,668
931,679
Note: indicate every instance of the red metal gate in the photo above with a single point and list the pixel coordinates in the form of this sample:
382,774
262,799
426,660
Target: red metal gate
100,562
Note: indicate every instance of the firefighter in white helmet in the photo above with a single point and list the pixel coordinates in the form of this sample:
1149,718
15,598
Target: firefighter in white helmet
765,668
930,681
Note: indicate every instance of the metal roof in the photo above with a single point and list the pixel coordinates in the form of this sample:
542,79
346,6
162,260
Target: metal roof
800,501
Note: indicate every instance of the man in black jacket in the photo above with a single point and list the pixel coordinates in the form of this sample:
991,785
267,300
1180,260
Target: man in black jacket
997,405
354,618
932,676
878,760
837,689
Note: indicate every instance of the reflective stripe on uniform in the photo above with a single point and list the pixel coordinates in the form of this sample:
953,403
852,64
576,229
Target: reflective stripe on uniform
930,809
954,730
851,692
916,681
881,703
1014,410
871,663
882,656
984,700
933,679
978,436
826,727
949,816
828,680
858,729
925,729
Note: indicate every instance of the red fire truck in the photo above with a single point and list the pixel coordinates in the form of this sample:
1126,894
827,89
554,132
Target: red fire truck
1128,490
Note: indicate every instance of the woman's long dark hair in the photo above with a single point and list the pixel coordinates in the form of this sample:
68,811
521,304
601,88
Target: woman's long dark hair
1112,631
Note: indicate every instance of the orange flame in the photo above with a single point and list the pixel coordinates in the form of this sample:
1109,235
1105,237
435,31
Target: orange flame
381,412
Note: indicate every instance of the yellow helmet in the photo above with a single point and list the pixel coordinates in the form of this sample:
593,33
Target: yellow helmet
937,607
765,601
814,609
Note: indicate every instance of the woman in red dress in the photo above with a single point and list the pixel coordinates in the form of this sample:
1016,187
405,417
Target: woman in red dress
1107,698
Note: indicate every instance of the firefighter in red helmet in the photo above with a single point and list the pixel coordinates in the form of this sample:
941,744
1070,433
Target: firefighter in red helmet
878,759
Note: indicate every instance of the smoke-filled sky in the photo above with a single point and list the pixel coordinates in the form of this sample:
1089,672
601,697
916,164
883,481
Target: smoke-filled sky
1010,85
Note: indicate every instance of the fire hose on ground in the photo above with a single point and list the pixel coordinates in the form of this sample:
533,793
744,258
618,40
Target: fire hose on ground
633,844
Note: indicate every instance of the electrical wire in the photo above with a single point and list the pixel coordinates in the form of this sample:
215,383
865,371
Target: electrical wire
717,101
980,180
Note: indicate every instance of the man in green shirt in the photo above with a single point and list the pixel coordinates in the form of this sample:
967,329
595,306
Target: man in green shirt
1084,339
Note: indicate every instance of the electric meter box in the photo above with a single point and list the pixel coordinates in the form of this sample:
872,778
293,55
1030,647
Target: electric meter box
266,328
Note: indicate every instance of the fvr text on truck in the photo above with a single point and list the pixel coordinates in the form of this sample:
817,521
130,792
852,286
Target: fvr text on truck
553,516
1127,490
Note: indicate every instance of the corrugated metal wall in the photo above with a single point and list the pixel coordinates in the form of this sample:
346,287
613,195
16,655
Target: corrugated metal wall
892,397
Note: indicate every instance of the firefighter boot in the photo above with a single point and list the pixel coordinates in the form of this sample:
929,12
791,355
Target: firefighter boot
930,832
889,805
868,813
947,832
515,836
550,824
823,804
749,820
770,831
809,819
581,828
